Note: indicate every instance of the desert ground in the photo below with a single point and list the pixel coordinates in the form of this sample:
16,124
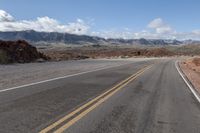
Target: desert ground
191,68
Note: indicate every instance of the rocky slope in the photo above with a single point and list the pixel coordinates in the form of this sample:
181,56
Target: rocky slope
19,51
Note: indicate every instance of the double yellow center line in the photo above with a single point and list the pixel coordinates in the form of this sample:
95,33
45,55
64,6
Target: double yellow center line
71,118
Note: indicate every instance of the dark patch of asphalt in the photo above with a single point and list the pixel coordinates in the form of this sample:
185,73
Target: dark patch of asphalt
156,102
32,108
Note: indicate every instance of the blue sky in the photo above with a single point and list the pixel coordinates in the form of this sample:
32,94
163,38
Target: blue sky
120,18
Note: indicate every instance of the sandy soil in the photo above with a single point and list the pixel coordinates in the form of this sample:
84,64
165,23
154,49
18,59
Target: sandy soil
192,71
83,52
20,74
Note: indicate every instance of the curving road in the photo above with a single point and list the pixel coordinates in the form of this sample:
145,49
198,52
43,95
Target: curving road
142,99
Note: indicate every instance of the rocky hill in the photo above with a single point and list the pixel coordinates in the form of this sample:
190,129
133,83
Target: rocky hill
19,51
66,38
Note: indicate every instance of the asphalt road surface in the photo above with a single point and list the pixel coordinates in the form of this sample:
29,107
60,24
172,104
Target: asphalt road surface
134,98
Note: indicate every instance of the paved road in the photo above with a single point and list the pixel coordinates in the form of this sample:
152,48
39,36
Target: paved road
20,74
158,101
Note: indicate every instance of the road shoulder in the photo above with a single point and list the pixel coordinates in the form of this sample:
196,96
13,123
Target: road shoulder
189,78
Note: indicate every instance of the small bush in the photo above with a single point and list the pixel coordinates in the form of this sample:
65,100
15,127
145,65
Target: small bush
3,57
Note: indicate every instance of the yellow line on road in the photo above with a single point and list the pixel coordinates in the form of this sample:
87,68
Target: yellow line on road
98,101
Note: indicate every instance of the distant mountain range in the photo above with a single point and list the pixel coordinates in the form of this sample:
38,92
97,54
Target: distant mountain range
66,38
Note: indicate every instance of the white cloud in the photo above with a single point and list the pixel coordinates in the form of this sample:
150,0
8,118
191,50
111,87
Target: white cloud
5,17
196,32
160,26
46,24
161,30
126,34
148,35
156,23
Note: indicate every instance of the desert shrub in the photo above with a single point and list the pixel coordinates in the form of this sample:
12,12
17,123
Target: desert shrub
3,57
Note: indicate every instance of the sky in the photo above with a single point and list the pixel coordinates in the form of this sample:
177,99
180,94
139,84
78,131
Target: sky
155,19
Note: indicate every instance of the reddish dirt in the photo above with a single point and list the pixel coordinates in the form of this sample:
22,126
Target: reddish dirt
104,52
191,69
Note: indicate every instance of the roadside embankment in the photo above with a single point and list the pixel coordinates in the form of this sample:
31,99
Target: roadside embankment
191,68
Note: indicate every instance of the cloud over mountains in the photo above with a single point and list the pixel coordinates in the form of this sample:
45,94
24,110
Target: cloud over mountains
8,23
160,26
156,29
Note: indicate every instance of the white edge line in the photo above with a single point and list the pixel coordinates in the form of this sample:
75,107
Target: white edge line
67,76
189,86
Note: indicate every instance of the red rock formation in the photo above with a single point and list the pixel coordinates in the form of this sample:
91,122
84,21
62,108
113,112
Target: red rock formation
20,51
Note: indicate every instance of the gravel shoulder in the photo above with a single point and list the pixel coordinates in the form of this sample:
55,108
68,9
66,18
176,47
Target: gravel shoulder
20,74
192,71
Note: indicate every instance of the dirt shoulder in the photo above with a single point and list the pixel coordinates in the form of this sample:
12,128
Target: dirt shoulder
191,68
